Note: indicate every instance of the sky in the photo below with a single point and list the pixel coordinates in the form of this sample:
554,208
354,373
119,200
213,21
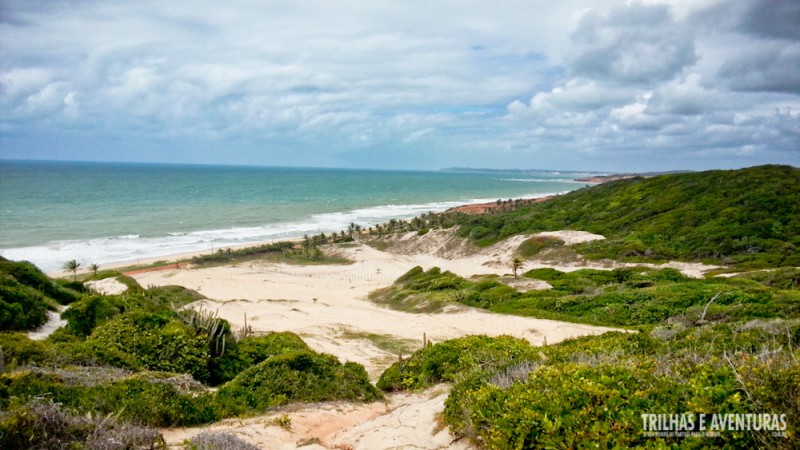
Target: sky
606,85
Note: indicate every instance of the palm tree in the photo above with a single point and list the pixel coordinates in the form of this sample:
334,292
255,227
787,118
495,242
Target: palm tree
72,266
95,267
516,265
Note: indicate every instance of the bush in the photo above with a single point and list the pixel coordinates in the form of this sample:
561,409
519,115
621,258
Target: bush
298,376
159,342
534,245
253,350
19,350
141,398
48,425
84,315
453,360
27,274
218,441
21,307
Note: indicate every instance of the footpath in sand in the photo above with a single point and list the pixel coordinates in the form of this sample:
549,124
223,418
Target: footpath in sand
327,306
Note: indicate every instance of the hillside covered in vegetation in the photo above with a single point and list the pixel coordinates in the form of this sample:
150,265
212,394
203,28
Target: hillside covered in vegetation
695,347
748,218
138,360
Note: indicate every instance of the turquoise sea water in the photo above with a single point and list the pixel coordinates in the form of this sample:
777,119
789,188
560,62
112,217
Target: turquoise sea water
51,212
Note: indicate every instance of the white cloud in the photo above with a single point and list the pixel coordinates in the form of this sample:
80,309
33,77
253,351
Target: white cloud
537,79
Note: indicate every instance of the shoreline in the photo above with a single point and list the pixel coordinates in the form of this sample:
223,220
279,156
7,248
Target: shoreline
174,258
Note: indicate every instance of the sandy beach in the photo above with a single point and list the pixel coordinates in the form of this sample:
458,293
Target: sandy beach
328,306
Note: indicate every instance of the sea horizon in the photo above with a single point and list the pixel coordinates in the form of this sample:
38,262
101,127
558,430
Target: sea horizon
108,212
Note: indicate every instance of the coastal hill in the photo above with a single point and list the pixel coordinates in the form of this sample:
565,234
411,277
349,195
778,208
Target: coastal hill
550,324
749,218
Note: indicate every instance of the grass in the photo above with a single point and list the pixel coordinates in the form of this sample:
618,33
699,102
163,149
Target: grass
385,342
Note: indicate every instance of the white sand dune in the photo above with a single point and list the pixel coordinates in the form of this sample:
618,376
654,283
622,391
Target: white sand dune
327,306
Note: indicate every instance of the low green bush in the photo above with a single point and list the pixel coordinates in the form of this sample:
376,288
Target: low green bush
159,341
253,350
136,398
453,360
84,315
297,376
44,424
19,350
21,307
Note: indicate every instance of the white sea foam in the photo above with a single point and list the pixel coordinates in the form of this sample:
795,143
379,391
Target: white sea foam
51,256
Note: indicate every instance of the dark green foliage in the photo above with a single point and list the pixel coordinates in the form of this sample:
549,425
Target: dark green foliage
253,350
224,256
19,350
92,310
420,291
308,251
748,217
139,399
452,360
621,297
21,307
298,376
43,424
29,275
786,278
84,315
26,294
157,341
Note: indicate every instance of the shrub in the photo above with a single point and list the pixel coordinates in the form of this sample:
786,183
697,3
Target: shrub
453,360
138,398
158,342
298,376
27,274
21,307
218,441
48,425
19,350
253,350
84,315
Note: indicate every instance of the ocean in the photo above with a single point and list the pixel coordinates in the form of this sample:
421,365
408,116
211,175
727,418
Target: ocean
52,212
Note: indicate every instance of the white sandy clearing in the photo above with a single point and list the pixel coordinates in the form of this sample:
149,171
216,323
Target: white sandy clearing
328,307
405,420
324,304
53,323
107,286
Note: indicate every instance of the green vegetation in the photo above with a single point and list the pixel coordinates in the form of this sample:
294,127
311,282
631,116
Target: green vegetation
702,346
509,394
620,297
297,376
307,251
748,217
452,360
536,244
141,358
391,344
45,424
26,294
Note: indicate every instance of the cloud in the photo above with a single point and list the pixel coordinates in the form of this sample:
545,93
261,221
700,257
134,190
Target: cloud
771,67
562,85
635,43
